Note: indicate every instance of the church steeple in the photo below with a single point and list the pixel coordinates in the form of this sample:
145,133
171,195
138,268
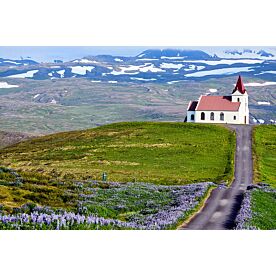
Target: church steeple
239,86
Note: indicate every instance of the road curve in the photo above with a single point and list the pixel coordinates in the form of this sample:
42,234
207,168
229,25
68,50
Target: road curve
222,206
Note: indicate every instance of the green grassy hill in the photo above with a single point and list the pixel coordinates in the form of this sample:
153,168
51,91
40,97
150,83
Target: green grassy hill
263,209
161,153
265,154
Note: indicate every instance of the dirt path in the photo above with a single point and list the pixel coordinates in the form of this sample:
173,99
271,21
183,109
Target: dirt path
223,205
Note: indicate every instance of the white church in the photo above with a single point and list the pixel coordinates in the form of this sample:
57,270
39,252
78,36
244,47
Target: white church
221,109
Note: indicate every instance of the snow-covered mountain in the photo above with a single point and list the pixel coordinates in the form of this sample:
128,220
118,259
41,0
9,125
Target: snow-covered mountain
175,54
244,52
153,65
20,62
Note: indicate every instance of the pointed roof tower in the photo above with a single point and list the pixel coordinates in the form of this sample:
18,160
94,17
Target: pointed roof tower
239,86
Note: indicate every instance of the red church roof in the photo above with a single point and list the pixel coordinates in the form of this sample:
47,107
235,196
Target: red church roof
239,86
217,103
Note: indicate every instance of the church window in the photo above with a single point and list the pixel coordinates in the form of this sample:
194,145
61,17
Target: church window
222,116
212,116
202,116
235,117
238,99
192,117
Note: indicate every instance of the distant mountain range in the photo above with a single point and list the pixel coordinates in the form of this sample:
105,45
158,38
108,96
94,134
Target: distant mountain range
154,65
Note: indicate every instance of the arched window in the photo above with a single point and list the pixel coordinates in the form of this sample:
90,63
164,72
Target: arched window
202,116
192,117
235,117
212,116
238,99
221,116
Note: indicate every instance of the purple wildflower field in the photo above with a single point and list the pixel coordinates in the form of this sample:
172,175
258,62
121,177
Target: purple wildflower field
245,214
100,205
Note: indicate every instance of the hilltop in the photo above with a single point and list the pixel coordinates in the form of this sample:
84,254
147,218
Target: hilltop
165,153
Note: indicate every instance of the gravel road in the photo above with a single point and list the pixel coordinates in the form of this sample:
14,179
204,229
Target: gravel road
223,204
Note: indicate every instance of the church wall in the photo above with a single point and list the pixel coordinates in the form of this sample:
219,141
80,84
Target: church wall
243,99
189,116
228,117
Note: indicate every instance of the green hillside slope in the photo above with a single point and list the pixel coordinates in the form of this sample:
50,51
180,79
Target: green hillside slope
162,153
265,154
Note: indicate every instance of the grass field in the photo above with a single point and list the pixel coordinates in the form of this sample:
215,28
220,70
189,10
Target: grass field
263,209
258,209
265,154
161,153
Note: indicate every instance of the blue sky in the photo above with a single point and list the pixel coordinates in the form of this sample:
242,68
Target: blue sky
46,53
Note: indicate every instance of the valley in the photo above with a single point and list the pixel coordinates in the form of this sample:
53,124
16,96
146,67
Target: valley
47,106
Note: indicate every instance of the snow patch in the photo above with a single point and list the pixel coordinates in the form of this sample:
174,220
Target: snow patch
35,96
81,70
171,66
257,84
263,103
141,55
213,90
122,72
128,70
28,74
261,121
172,82
142,79
112,81
61,73
96,81
267,72
226,61
150,68
53,101
164,57
118,59
223,71
6,85
84,60
147,59
12,62
193,67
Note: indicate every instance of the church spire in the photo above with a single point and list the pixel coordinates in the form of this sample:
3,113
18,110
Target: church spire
239,86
